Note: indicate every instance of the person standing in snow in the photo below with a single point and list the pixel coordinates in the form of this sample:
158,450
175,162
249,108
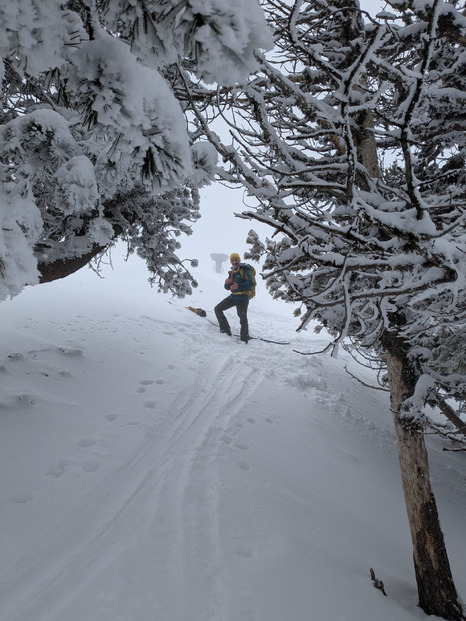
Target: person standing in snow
240,280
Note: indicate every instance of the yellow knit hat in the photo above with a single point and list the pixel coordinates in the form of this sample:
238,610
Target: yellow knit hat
235,255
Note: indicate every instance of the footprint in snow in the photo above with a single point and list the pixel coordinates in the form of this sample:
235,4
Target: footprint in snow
91,465
244,551
111,417
57,471
86,442
244,466
21,497
70,351
143,384
63,465
240,446
28,399
150,405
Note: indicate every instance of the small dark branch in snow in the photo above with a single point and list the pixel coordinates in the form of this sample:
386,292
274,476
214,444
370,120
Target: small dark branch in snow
314,353
377,583
364,383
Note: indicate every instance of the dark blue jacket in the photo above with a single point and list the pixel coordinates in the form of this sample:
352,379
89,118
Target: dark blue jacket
242,276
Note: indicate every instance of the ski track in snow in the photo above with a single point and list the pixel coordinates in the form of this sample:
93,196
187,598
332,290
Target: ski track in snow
199,423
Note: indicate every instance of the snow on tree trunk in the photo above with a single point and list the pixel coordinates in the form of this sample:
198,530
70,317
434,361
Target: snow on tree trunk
436,589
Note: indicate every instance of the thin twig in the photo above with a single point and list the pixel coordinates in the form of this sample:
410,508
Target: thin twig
364,383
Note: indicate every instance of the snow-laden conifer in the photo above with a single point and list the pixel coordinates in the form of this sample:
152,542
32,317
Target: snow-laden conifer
93,140
350,140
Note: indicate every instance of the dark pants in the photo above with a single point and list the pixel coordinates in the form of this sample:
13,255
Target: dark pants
241,309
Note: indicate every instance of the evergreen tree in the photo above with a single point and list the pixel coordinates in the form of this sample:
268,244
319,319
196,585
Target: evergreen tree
351,140
93,141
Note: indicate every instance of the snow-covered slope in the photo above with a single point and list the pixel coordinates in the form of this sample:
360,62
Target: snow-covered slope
155,470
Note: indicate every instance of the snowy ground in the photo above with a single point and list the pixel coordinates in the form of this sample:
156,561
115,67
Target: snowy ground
155,470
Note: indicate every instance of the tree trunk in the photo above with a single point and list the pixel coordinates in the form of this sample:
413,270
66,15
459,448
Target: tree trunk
436,589
61,268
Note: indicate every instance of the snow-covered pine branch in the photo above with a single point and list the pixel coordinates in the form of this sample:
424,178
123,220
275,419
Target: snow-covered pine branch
90,128
338,139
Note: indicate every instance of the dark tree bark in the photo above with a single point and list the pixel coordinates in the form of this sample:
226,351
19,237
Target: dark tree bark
436,588
61,268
